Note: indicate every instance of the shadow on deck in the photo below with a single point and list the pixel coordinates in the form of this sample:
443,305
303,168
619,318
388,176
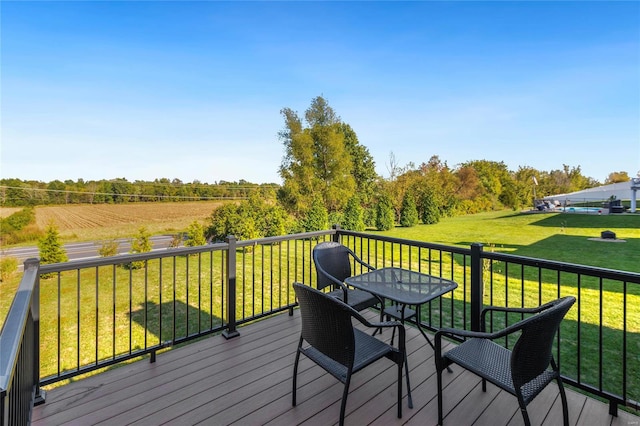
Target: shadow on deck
247,381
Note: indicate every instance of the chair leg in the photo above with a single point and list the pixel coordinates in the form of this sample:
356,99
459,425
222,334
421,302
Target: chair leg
345,393
406,367
563,398
439,380
400,390
295,378
525,416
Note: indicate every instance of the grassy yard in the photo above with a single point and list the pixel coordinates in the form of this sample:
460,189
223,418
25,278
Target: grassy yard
563,237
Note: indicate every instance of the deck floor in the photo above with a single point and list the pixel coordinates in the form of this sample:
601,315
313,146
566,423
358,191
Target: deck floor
247,381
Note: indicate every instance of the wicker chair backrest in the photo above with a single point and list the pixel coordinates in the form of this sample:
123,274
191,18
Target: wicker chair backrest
326,324
532,352
334,259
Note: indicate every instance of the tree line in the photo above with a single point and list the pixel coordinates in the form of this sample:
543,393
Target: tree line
328,177
17,192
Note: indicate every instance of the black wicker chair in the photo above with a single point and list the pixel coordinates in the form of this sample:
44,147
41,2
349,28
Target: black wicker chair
524,371
333,264
335,345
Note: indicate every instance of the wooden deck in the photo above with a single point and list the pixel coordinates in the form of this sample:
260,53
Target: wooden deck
247,381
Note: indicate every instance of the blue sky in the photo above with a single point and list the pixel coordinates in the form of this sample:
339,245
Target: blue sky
193,90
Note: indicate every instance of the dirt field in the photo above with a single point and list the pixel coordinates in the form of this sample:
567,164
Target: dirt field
103,221
8,211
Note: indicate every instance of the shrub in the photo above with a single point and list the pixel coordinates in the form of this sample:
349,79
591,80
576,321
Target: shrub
141,244
108,248
195,235
8,267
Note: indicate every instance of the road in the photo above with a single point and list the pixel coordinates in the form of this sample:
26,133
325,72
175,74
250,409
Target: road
84,250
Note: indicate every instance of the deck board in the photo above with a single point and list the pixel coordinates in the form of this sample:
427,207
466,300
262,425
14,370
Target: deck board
247,381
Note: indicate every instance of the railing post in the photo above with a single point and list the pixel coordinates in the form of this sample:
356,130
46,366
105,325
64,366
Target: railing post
231,288
336,236
476,286
39,394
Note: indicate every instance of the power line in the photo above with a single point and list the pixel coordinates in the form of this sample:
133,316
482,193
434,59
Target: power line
182,197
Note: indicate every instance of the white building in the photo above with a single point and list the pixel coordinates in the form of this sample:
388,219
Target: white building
619,191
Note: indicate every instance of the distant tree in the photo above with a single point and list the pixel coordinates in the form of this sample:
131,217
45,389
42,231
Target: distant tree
354,215
408,212
195,235
50,247
385,215
317,218
140,244
364,167
616,177
428,207
317,162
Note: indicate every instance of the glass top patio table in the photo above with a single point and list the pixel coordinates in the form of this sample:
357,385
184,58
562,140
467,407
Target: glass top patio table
402,285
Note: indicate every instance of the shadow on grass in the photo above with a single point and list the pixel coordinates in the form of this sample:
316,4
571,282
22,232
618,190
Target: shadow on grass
576,220
174,320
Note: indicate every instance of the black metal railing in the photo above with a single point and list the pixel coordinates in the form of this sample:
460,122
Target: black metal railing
19,352
98,312
599,340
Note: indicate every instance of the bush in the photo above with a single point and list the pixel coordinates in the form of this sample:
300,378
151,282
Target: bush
108,248
195,235
8,268
141,244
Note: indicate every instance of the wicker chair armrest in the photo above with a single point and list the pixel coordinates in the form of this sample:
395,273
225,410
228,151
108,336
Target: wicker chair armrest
360,261
535,310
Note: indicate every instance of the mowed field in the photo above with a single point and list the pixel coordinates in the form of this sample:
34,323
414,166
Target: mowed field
106,221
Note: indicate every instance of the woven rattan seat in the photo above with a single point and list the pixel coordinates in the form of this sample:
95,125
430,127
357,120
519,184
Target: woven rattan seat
329,339
524,371
333,264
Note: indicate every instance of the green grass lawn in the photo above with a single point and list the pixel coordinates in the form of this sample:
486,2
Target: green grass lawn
555,236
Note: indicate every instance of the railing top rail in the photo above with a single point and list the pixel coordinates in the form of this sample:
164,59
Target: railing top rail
13,327
423,244
631,277
127,258
280,238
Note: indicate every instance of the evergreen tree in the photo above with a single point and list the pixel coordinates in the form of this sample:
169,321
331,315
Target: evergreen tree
141,244
317,218
408,211
354,215
385,215
50,247
429,211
